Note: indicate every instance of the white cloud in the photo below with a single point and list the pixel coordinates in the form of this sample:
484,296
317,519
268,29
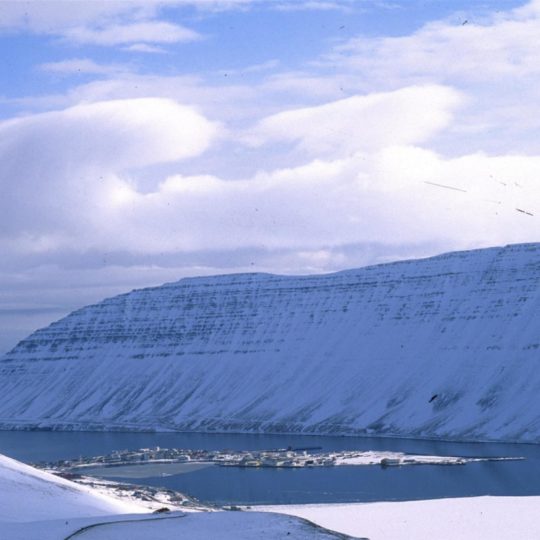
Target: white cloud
143,32
62,170
121,133
305,85
76,192
224,101
494,59
81,66
501,45
145,48
396,195
406,116
54,16
313,5
100,22
254,68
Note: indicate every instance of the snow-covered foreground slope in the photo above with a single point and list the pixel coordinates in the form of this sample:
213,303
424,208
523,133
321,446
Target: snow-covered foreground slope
27,494
441,347
190,526
476,518
35,505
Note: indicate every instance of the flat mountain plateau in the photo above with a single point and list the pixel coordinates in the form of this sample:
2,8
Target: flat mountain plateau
445,347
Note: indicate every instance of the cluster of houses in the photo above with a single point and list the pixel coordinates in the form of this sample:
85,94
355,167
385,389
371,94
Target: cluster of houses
280,458
299,457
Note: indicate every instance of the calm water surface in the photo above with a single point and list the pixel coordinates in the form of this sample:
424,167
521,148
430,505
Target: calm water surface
229,485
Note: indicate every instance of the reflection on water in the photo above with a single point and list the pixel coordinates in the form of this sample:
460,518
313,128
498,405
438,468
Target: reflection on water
321,484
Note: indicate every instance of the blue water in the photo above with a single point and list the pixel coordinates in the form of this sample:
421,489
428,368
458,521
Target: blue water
227,485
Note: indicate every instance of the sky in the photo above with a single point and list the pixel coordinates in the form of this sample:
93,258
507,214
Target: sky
145,141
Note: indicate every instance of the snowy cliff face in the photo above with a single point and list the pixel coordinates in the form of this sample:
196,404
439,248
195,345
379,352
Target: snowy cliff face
441,347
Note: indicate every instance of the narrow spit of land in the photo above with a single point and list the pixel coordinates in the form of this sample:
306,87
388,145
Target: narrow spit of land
175,460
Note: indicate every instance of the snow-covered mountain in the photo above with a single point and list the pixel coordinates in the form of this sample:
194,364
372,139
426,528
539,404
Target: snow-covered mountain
442,347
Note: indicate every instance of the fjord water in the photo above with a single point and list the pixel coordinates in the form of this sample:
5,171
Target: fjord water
231,485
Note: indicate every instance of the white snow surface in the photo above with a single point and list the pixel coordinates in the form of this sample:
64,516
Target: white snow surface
216,525
177,526
475,518
402,459
36,505
446,347
27,494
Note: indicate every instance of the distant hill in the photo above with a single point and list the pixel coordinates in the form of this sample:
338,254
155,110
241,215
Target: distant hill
443,347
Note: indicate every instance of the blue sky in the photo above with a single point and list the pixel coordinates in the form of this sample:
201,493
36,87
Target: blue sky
289,34
146,141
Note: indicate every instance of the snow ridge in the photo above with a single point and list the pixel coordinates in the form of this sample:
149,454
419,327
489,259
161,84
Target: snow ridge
445,347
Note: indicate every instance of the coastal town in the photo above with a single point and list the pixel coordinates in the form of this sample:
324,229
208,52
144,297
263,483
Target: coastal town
278,458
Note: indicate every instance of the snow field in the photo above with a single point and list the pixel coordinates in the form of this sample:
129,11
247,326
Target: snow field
475,518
